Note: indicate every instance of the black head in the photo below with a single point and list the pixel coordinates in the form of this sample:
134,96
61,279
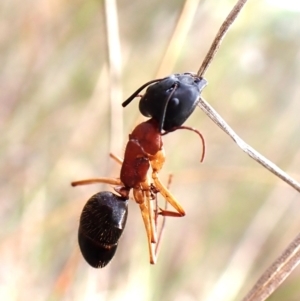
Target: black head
102,222
170,100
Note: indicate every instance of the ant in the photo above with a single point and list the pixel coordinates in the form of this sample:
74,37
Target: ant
104,216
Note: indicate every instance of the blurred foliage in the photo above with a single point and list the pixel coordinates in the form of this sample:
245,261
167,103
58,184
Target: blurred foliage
56,118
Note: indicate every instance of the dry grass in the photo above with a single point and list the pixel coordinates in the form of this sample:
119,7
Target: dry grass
55,121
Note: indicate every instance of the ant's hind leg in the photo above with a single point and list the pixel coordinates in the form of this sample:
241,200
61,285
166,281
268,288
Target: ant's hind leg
148,196
169,198
160,232
139,198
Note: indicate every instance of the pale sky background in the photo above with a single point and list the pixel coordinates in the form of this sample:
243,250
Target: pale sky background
286,4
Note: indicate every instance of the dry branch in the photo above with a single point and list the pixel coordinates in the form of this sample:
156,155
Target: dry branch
290,258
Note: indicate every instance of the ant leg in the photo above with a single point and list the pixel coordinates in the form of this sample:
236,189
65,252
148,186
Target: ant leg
111,181
105,180
139,198
116,158
169,213
162,227
169,198
150,205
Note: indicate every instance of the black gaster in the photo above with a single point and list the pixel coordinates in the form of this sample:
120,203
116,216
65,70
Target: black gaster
102,222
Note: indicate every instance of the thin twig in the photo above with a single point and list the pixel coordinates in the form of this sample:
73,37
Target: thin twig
115,70
219,121
178,38
290,258
276,274
219,37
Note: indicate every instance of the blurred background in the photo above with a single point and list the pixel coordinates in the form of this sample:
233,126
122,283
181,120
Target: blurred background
63,78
